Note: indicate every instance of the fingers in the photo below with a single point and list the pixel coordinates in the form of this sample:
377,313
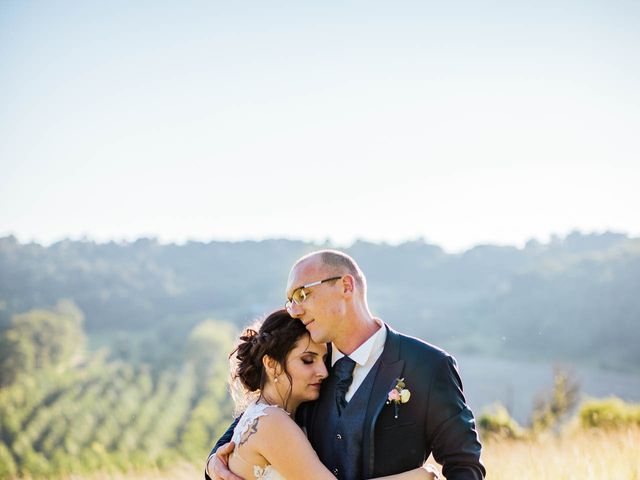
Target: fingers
209,467
218,463
226,450
433,472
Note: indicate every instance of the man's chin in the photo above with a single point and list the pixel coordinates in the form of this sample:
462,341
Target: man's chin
317,336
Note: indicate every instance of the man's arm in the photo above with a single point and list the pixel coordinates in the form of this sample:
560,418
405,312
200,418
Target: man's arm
226,438
452,428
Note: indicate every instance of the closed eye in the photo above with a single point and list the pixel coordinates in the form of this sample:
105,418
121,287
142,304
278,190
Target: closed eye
309,358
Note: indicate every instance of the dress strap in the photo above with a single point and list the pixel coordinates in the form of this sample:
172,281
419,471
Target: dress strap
247,422
243,430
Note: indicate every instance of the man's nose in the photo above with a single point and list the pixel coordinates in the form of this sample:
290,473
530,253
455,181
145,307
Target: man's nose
296,310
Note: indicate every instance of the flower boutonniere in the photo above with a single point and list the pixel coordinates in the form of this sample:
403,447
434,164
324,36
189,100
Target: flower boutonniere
398,394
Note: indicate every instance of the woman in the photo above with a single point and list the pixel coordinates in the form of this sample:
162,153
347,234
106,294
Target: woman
277,368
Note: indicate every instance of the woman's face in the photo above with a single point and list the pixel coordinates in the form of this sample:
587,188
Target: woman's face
305,364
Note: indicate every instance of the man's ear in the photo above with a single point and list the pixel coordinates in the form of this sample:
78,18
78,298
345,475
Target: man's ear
348,284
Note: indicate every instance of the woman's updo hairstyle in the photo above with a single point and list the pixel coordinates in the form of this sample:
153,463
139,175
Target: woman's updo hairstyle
275,336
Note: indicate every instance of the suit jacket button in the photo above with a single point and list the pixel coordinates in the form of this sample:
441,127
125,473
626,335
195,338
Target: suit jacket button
335,472
338,437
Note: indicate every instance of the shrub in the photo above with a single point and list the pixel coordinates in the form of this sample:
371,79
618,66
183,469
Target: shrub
609,413
499,423
35,464
8,466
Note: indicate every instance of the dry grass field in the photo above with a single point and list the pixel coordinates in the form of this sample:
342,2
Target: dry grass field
579,454
583,455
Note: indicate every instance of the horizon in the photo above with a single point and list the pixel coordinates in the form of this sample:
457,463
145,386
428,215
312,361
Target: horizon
324,242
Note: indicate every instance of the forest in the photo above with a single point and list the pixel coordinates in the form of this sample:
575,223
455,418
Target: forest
574,298
64,410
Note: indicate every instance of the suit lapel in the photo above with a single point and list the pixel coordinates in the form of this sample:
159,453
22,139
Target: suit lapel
390,369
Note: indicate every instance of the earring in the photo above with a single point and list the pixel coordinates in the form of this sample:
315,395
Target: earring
275,379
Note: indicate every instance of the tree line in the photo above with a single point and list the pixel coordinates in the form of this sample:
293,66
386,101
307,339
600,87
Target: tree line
571,299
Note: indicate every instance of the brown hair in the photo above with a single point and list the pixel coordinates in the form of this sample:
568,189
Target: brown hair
276,336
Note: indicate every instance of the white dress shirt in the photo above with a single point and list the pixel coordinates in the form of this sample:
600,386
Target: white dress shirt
365,357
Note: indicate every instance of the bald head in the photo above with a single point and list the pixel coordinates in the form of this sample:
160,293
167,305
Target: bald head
336,262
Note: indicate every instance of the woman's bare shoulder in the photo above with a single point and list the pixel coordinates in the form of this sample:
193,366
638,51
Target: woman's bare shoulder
264,421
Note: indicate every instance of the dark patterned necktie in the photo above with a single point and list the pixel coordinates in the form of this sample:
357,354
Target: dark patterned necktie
343,371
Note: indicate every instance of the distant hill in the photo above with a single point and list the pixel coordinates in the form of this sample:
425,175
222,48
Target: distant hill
575,298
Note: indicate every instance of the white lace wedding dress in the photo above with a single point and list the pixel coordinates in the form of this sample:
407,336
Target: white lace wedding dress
252,412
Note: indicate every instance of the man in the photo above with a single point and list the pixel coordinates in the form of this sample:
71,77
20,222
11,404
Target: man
359,427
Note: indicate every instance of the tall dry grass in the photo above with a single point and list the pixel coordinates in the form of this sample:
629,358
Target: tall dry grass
575,454
578,454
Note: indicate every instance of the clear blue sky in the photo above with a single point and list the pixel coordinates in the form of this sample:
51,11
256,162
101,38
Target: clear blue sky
459,122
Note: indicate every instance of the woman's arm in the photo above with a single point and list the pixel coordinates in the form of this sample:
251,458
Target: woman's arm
283,444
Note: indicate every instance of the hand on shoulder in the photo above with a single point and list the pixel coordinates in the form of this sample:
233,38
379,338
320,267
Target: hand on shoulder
218,464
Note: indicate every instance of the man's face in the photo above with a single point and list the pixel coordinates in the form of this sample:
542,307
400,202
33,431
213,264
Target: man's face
321,311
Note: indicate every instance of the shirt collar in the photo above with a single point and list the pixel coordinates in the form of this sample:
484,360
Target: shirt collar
363,353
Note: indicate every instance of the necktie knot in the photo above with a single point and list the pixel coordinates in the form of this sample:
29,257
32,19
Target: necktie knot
343,371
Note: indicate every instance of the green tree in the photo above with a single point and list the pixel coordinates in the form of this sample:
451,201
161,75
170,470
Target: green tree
40,339
209,345
8,466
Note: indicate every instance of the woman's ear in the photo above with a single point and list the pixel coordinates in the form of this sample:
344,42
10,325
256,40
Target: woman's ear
267,362
271,366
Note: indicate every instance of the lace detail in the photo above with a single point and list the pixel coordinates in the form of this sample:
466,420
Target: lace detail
244,429
246,423
266,473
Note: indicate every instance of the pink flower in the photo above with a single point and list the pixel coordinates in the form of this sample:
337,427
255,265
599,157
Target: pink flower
394,396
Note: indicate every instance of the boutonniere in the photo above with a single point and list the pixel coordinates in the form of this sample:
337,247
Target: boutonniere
398,394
